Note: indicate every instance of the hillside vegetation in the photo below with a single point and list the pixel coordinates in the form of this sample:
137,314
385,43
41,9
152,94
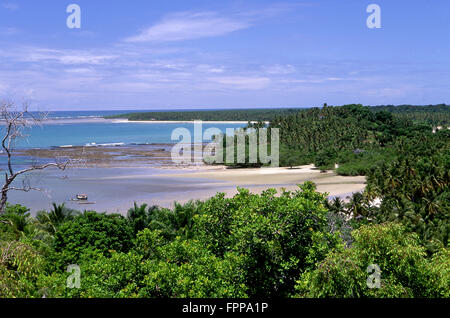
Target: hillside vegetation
211,115
286,244
437,115
294,244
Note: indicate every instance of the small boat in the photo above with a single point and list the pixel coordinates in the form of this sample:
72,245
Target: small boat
83,197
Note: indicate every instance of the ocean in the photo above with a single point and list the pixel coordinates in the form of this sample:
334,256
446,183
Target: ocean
109,189
80,128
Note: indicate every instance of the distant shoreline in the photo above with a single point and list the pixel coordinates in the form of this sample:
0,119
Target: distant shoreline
123,121
179,121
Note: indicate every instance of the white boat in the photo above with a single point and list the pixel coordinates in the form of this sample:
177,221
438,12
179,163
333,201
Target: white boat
82,197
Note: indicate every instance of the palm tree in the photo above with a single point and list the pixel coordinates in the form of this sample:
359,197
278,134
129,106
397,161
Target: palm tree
56,217
18,217
357,204
138,217
338,204
183,218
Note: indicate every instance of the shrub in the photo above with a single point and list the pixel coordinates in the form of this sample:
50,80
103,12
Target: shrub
20,268
91,232
405,270
279,236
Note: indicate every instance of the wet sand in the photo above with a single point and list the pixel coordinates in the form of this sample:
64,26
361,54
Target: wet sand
260,179
153,155
114,190
116,177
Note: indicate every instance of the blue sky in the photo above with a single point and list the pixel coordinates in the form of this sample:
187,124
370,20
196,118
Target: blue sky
177,54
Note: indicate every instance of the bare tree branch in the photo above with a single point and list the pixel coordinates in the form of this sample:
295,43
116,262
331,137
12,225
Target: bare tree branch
15,123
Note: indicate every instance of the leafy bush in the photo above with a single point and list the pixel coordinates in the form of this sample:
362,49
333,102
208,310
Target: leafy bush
178,269
278,236
15,221
186,269
91,232
405,269
20,268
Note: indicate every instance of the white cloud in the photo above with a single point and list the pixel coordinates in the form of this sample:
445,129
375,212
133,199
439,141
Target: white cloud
210,69
66,57
279,69
301,81
316,80
86,71
188,26
85,58
242,82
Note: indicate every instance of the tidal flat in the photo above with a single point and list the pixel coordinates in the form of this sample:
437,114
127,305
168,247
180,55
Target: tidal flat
114,178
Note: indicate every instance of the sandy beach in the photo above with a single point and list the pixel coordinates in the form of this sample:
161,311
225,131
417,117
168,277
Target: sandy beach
115,177
119,121
259,179
115,189
52,121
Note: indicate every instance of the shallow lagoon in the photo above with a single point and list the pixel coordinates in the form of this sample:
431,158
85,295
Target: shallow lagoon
112,189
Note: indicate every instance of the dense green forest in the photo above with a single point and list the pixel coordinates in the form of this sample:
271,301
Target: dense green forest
212,115
286,244
295,244
438,115
357,138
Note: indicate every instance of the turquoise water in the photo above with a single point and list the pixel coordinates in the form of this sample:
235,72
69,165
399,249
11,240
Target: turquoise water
112,189
88,114
80,134
79,128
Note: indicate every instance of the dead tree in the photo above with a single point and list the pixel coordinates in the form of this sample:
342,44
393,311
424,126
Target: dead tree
15,123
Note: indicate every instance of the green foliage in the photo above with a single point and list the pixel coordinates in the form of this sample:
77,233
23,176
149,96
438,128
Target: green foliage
148,243
186,269
354,136
138,217
182,268
405,270
436,115
268,245
293,157
278,236
414,188
116,275
90,232
360,163
406,164
246,246
250,138
212,115
172,223
20,268
431,114
16,221
50,221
